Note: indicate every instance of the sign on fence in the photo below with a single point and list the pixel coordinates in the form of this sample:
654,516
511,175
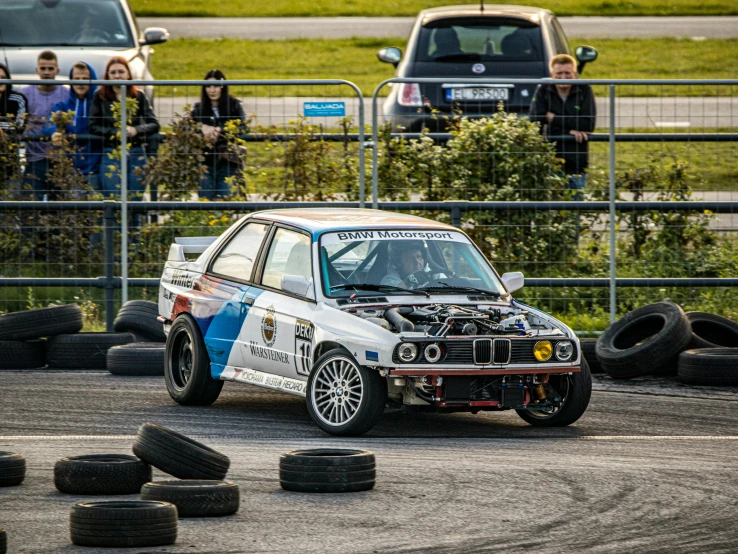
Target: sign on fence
323,109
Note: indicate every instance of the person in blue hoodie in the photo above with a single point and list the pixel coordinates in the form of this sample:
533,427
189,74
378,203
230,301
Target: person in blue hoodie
89,150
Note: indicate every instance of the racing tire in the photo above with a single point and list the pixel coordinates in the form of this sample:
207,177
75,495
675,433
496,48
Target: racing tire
575,389
123,524
16,354
83,350
137,359
709,366
195,498
12,469
343,397
101,474
178,455
43,322
588,352
712,331
140,318
187,366
624,351
327,470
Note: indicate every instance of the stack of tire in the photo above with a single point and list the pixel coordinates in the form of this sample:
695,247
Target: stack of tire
661,339
145,357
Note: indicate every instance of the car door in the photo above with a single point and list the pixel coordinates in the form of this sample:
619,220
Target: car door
278,335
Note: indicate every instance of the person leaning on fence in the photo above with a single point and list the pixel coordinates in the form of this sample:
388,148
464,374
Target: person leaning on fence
215,108
12,122
41,98
89,151
104,124
567,110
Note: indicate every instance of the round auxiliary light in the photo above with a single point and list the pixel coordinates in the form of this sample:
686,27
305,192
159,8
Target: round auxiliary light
564,350
432,353
543,350
407,352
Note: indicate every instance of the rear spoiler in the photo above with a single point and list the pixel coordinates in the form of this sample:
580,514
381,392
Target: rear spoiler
188,245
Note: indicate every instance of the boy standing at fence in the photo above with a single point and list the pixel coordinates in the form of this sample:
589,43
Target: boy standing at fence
567,110
41,98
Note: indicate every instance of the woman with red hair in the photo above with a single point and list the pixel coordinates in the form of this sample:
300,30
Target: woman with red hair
143,124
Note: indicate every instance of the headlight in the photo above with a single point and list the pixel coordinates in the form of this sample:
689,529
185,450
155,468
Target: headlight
432,353
407,352
564,350
542,350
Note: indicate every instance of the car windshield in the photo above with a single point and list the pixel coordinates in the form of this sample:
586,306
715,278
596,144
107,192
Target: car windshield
403,261
48,23
485,39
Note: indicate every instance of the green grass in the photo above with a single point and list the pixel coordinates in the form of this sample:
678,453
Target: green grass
355,60
386,8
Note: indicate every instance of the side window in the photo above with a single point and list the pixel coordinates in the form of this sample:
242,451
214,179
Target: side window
559,38
289,254
237,259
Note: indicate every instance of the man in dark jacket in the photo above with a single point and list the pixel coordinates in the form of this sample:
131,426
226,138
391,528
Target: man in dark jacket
89,151
567,110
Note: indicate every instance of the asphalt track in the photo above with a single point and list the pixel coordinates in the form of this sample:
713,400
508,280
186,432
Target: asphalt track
650,467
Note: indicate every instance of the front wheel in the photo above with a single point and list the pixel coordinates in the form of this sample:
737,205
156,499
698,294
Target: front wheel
575,391
343,397
187,366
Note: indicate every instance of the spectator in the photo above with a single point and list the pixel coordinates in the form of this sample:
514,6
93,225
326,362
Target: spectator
215,108
12,122
104,124
567,110
89,152
41,98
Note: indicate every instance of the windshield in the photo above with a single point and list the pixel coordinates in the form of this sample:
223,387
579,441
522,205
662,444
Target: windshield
402,261
48,23
480,40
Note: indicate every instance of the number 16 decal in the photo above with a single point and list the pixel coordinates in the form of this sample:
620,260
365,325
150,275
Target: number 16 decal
303,346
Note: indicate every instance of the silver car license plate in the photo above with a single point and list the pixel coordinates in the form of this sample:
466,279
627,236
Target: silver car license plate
479,94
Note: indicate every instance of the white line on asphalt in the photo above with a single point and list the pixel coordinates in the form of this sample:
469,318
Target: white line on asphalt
584,437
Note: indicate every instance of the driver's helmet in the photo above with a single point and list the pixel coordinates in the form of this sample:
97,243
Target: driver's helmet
398,248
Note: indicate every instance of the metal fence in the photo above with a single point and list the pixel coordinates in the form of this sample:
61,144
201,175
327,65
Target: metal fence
125,241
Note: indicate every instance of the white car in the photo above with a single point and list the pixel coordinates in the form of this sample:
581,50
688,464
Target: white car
356,310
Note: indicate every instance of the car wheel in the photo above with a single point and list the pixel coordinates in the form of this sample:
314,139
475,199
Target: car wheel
575,391
187,366
343,397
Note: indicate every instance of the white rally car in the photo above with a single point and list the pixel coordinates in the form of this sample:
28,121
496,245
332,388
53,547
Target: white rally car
357,310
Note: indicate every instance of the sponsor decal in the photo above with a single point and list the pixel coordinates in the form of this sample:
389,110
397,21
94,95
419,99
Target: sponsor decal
371,356
322,109
269,326
259,378
169,295
181,278
303,346
268,353
420,234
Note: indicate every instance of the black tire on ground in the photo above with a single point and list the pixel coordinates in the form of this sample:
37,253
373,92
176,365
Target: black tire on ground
139,317
15,354
187,365
588,351
712,331
575,389
348,407
44,322
12,469
83,350
137,359
101,474
195,498
709,366
327,470
123,524
178,455
624,351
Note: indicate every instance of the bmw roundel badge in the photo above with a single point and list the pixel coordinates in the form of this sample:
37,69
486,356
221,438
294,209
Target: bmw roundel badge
478,68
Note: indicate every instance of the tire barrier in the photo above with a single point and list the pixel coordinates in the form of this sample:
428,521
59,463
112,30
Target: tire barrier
12,469
327,470
588,352
123,524
3,541
178,455
137,359
139,317
101,474
195,498
83,350
43,322
712,331
709,366
15,354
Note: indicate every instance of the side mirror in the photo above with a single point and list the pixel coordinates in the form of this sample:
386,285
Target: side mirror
584,55
390,54
297,284
513,281
154,35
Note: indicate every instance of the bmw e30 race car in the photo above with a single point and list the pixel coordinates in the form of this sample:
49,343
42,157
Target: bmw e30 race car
357,309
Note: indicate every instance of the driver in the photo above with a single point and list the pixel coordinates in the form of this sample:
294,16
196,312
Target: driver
407,267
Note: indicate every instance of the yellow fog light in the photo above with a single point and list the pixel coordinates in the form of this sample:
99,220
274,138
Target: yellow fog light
542,350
